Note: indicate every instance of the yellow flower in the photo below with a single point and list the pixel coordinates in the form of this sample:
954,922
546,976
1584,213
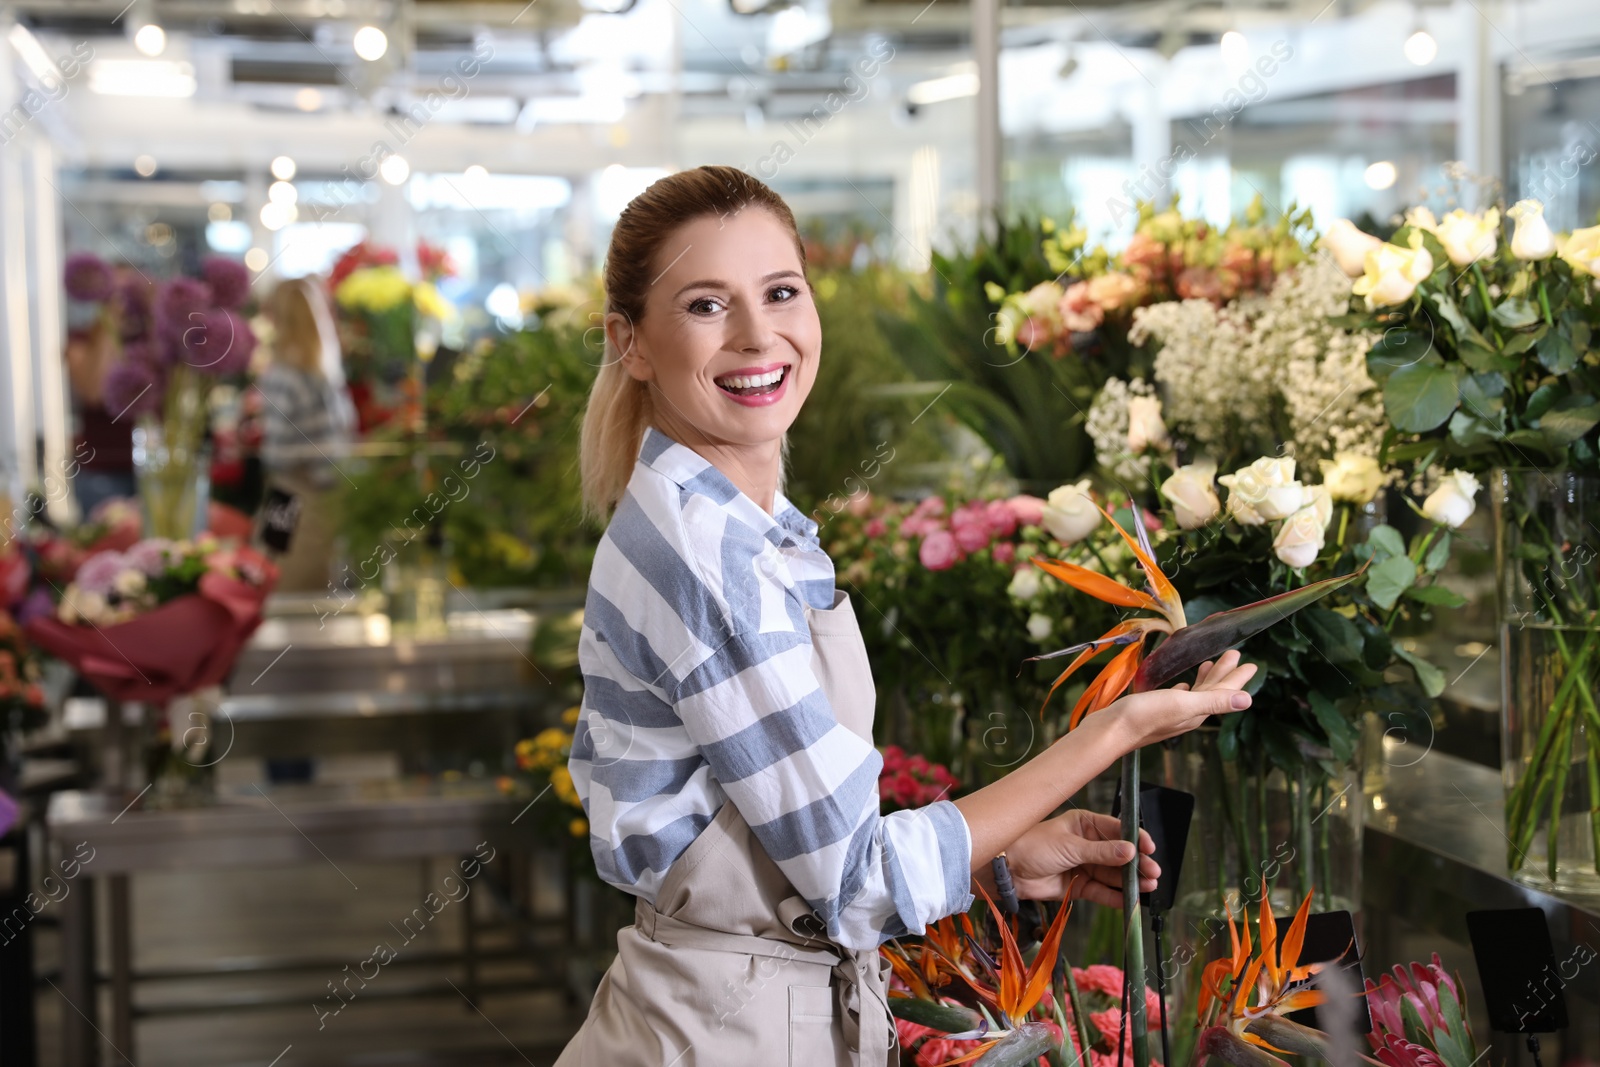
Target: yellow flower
566,792
1468,238
1582,250
570,716
430,303
374,289
579,827
1393,273
552,738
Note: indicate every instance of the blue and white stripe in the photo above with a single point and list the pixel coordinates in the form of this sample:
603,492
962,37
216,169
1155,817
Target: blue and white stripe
699,688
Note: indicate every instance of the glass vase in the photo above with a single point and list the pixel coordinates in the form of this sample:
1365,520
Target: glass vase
174,475
1546,543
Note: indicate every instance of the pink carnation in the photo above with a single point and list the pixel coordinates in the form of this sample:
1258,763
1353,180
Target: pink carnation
939,551
1029,510
1100,978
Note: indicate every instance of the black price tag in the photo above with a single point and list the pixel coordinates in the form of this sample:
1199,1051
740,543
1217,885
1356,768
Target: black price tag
280,514
1522,983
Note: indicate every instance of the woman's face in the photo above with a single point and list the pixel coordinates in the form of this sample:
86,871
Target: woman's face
730,336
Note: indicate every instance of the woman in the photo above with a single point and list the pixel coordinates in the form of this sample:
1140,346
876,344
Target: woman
306,422
724,752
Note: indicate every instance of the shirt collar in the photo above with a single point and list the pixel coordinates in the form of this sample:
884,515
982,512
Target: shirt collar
785,527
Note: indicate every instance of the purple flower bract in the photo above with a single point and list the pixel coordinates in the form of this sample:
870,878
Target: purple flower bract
229,280
132,389
88,277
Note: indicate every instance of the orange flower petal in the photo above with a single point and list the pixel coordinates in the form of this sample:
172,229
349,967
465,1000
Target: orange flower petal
1098,585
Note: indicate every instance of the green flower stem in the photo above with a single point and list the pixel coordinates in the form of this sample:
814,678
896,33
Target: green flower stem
1303,825
1262,770
1133,920
1323,878
1563,765
1080,1018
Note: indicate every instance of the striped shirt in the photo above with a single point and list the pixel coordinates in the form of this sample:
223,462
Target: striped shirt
305,423
699,689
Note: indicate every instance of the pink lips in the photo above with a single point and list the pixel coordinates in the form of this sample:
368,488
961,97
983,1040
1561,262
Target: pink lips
765,398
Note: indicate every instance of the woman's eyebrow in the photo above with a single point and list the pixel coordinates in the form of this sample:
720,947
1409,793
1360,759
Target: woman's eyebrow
717,283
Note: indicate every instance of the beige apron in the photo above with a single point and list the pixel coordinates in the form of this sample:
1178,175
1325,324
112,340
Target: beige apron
731,966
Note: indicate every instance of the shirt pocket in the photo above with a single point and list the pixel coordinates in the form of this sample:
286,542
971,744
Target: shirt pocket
812,1041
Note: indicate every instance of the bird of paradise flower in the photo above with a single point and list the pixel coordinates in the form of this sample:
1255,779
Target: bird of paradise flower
1186,645
1245,996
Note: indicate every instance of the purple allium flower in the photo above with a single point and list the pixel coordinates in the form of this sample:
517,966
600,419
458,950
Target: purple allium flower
179,305
132,389
88,277
229,280
147,352
229,343
99,572
149,556
131,302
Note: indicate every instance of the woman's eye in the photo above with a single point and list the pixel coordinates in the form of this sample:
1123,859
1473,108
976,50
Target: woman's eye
705,306
783,293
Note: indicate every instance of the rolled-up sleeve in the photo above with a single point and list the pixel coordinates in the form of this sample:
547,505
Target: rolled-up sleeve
808,787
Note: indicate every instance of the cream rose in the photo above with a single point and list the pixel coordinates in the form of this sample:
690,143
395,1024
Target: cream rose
1352,477
1393,273
1025,583
1454,501
1532,238
1349,246
1268,486
1422,219
1039,626
1469,238
1069,514
1145,428
1582,250
1191,489
1319,502
1300,539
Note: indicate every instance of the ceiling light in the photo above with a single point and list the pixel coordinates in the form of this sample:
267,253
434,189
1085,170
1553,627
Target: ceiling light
33,53
476,173
1235,50
219,213
282,193
394,169
608,7
144,166
1421,48
275,216
937,90
283,168
307,99
749,7
371,43
151,39
256,259
1381,175
141,77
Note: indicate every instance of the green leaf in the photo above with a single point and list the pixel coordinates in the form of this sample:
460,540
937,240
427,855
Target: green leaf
1399,348
1543,399
1388,579
1481,394
1333,634
1521,342
1431,678
1570,419
1335,725
1450,1012
1438,555
1516,313
1420,397
1465,332
1215,634
1482,358
1556,353
1387,540
946,1018
1471,433
1438,595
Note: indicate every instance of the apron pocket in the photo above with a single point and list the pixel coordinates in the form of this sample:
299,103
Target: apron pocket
811,1026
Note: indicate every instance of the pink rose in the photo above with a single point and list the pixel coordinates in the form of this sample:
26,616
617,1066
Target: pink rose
1002,520
1029,510
929,505
1004,551
1079,311
875,527
1100,978
939,551
971,535
860,505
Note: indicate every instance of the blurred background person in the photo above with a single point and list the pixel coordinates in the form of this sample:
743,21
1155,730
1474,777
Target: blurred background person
307,423
104,447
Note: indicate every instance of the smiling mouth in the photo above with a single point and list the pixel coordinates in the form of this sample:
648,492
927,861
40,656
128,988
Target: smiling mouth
753,384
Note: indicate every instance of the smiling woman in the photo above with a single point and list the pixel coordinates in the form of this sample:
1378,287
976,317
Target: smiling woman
724,750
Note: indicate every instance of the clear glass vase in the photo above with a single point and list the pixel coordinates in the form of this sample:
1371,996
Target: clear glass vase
1546,546
174,475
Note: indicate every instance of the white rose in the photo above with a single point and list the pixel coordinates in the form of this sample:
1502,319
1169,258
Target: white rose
1239,509
1393,273
1320,503
1532,238
93,608
1268,486
1025,583
1194,498
1300,538
1454,501
1422,219
129,583
1349,246
1069,514
1469,238
1145,428
1039,626
1352,477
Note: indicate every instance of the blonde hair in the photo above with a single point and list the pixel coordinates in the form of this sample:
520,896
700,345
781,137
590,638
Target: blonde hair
620,405
301,327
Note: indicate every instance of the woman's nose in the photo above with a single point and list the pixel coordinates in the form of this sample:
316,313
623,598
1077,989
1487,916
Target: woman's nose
751,331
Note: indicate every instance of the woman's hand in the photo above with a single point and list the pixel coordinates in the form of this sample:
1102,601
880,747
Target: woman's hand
1145,718
1081,852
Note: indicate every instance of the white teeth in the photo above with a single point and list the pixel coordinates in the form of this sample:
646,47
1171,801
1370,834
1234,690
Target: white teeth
751,381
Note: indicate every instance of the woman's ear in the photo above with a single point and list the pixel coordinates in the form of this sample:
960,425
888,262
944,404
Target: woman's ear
624,340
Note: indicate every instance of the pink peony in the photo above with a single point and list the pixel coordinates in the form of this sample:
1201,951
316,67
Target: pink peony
1029,510
875,527
939,551
1001,519
99,572
1004,552
971,536
929,505
919,526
